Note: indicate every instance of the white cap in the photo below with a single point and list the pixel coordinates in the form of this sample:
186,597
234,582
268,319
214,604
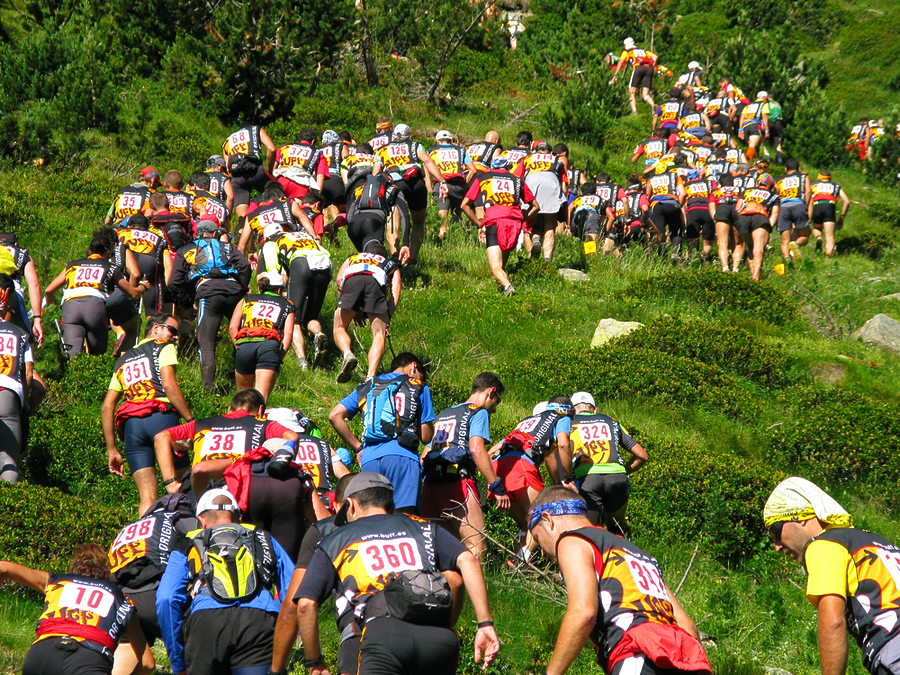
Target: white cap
206,501
443,135
583,398
271,230
629,43
694,65
762,94
402,132
539,408
274,278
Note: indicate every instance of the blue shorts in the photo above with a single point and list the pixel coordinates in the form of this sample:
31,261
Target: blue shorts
139,433
406,475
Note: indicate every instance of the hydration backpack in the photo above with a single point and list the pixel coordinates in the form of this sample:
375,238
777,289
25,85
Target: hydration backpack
210,262
389,411
373,194
236,561
419,597
177,228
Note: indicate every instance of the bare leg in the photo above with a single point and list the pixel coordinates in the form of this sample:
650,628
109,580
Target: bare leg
145,480
297,341
243,381
829,238
739,245
342,319
549,243
632,91
760,239
376,351
469,531
265,382
802,236
786,243
722,232
497,260
645,94
417,235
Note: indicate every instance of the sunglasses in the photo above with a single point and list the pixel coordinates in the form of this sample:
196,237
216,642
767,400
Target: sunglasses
172,331
776,528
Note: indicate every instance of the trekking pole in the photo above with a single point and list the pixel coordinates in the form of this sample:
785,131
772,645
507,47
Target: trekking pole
63,346
387,337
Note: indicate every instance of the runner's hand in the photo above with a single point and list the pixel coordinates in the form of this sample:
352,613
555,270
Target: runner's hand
486,642
443,190
38,331
503,502
115,462
253,258
172,488
404,254
482,235
319,670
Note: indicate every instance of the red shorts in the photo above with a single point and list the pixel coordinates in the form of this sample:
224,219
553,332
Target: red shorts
441,497
517,474
292,190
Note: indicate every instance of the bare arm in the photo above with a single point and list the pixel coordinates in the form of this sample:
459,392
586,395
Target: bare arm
234,324
287,624
34,295
576,562
639,457
338,419
162,444
486,640
466,208
308,612
270,149
173,391
832,635
54,286
288,333
395,288
483,462
681,616
138,642
107,421
36,579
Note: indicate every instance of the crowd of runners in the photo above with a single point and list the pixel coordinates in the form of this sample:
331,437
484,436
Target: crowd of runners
262,521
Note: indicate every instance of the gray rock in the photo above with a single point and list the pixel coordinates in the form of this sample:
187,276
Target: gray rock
892,296
881,331
573,275
608,329
775,671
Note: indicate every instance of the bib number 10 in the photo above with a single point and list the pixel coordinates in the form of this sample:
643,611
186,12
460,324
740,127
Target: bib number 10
86,598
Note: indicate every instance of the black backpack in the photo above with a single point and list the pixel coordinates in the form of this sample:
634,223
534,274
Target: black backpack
374,193
415,596
177,228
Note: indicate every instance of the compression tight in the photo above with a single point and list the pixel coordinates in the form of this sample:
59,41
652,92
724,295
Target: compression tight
209,318
10,435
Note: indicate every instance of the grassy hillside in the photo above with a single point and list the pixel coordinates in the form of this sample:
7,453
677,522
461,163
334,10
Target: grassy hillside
731,385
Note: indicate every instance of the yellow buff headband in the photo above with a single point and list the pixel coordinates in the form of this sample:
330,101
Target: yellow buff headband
823,176
798,499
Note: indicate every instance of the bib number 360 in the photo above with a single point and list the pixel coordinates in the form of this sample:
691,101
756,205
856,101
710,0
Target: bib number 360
395,555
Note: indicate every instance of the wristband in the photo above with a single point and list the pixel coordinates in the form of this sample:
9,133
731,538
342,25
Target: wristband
497,487
36,316
283,671
312,663
569,478
168,481
188,420
485,624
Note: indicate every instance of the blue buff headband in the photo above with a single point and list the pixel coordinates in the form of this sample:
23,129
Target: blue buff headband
565,507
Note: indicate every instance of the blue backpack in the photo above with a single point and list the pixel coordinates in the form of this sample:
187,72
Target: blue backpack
392,407
210,262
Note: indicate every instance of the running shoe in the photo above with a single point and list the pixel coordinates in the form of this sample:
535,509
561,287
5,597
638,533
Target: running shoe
348,365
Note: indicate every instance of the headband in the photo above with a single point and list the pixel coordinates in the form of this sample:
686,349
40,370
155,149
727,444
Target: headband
565,507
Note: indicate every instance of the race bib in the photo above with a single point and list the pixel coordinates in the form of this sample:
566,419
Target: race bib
223,443
265,311
646,577
142,529
86,598
9,346
594,431
307,453
136,371
443,431
396,555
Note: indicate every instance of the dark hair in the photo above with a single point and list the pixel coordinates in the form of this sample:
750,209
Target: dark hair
602,177
312,197
200,179
560,148
524,138
265,286
403,359
90,560
633,179
156,320
159,201
273,185
486,380
589,188
138,221
99,246
680,160
792,164
376,248
249,399
364,148
8,238
306,135
565,400
378,497
554,493
725,179
720,153
341,486
675,92
345,136
271,195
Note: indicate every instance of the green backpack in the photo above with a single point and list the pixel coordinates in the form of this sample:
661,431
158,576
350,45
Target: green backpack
237,561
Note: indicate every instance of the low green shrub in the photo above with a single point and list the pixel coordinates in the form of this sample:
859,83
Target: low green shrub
732,349
720,294
616,371
67,449
716,499
838,435
42,525
866,242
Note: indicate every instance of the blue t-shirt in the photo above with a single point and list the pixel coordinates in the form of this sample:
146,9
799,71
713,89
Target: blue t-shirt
391,447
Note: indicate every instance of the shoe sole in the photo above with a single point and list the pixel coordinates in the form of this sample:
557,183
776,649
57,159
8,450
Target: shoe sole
347,369
795,250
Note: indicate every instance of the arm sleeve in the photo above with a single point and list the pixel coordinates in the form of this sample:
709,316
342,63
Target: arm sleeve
29,355
275,430
527,194
183,432
447,549
168,356
351,403
114,383
563,426
319,579
480,425
830,567
627,441
474,189
308,547
171,598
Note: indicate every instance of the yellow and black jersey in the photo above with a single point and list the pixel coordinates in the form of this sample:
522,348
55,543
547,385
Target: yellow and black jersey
697,194
143,242
631,588
246,140
139,553
825,191
595,444
226,437
263,317
302,155
499,188
139,371
791,187
217,182
592,202
482,153
211,206
399,155
91,611
759,200
664,187
639,57
451,160
91,277
313,456
14,351
130,200
266,213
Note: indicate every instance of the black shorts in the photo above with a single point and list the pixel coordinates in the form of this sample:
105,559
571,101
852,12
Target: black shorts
220,640
252,356
721,118
699,222
389,646
334,192
793,216
776,130
604,492
726,213
824,212
754,221
456,192
362,293
243,185
145,610
752,129
348,655
667,214
415,191
46,658
641,76
585,221
490,235
120,309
